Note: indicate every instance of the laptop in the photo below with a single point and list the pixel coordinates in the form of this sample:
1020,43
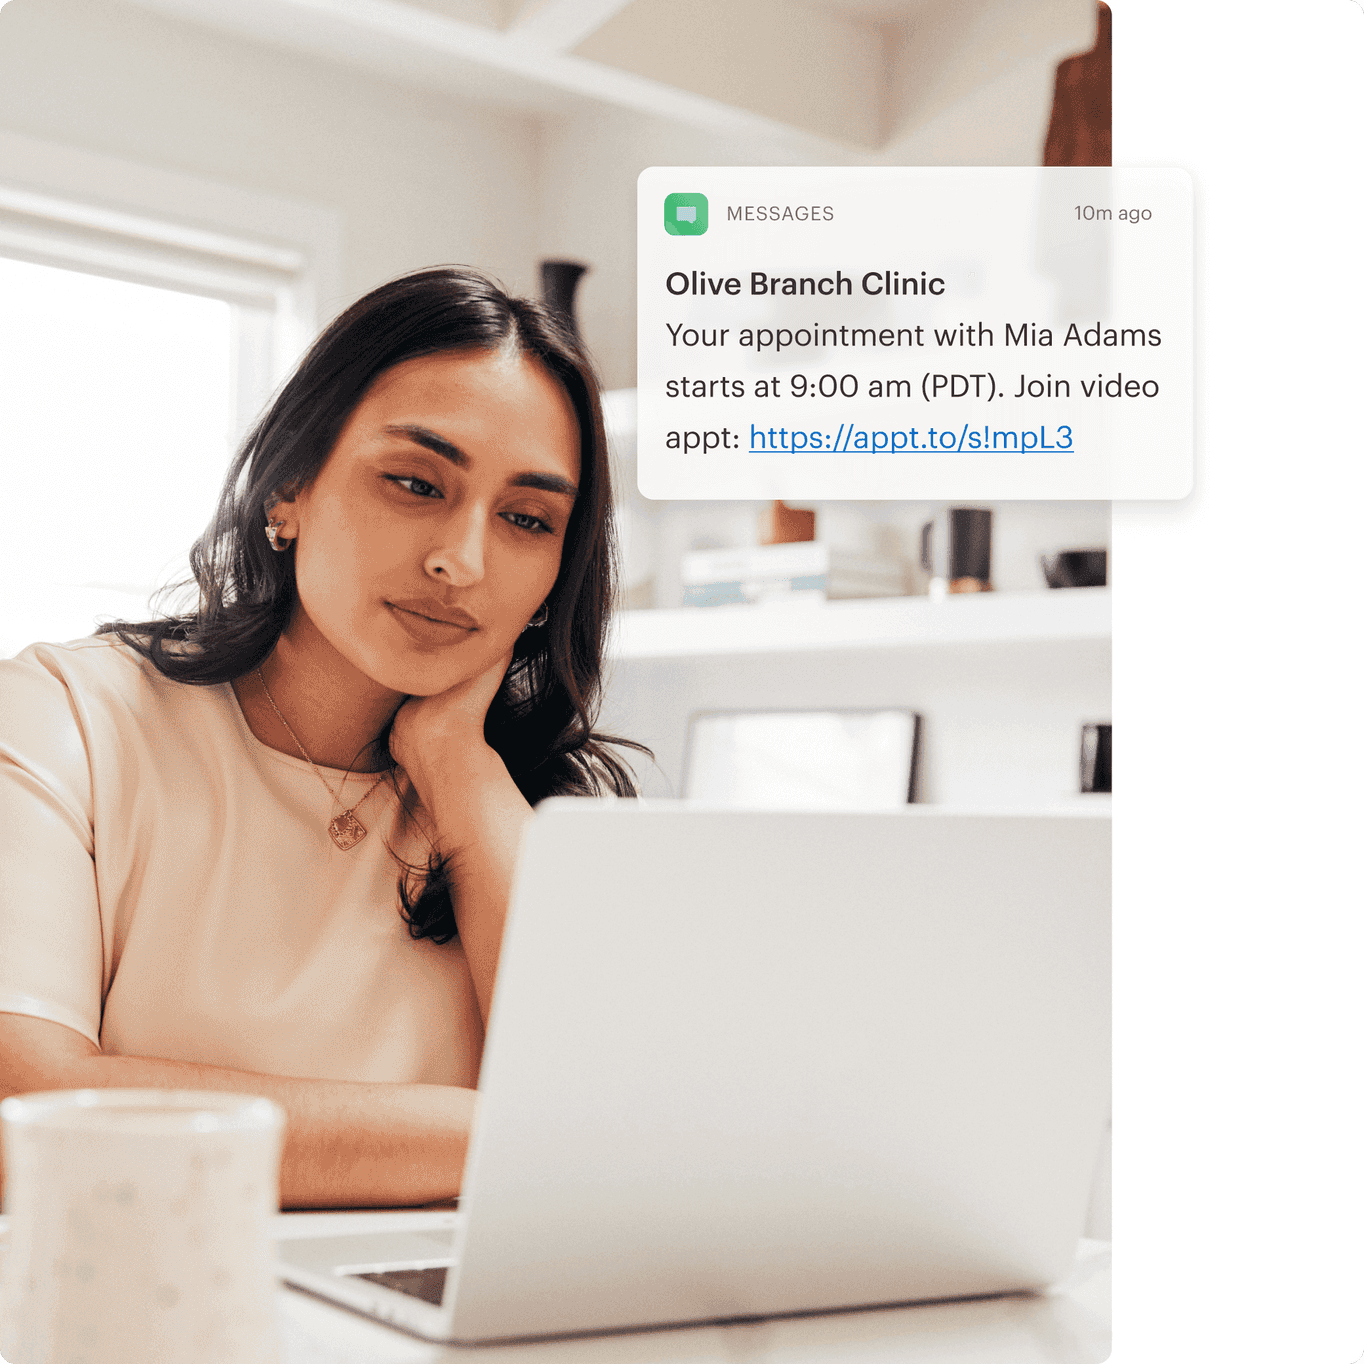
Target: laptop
840,759
745,1064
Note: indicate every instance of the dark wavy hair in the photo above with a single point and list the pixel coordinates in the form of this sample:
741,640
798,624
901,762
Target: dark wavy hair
541,721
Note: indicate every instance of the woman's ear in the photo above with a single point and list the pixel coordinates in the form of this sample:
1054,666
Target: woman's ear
281,520
280,503
287,493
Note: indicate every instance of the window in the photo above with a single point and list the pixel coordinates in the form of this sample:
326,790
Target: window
117,422
145,319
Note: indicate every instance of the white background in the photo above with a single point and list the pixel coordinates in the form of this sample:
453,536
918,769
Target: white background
1240,989
1240,1009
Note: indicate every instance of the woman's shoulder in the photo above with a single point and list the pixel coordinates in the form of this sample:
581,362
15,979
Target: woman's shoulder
45,717
94,667
55,699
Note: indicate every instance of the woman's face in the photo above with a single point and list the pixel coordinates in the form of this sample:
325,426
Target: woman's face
435,528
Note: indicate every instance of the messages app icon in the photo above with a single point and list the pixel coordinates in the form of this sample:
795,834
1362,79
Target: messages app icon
685,215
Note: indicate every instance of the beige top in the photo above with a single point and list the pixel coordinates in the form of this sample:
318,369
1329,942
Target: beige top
168,887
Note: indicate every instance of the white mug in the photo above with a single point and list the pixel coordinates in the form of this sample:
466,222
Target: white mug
139,1227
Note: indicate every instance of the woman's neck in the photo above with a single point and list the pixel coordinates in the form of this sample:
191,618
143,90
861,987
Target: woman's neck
335,711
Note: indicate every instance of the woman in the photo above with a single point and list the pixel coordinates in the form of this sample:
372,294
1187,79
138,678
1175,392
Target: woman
267,847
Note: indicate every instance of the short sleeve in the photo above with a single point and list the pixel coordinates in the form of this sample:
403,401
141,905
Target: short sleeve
51,942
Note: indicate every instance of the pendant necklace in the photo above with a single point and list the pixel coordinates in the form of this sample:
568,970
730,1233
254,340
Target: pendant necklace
345,829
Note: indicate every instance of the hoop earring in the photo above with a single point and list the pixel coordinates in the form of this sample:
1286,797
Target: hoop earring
272,530
541,617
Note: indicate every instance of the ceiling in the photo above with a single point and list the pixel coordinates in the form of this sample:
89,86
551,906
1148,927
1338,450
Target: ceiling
814,73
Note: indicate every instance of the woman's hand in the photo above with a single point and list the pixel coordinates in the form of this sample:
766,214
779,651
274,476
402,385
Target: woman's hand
439,738
478,812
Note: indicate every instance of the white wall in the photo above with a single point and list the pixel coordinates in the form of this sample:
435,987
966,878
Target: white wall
971,80
1001,721
417,178
806,66
976,91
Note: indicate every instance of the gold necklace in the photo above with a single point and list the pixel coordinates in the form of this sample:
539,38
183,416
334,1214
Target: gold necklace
345,830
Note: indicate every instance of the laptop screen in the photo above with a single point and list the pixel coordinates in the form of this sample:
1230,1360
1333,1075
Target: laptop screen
803,759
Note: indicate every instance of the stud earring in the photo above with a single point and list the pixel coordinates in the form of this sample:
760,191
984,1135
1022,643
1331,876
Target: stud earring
539,618
272,531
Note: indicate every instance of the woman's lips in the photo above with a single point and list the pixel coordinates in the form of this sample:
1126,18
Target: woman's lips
429,624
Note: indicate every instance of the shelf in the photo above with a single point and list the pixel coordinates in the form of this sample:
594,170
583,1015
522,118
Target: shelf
879,623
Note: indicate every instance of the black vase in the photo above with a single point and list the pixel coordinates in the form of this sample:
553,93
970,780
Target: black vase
963,557
1076,568
1096,758
558,284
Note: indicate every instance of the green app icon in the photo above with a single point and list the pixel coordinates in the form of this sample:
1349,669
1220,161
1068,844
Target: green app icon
685,215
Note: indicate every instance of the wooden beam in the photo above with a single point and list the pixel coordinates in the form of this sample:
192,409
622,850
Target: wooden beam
406,42
560,25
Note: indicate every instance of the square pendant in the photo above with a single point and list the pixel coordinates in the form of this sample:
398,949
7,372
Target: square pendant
346,831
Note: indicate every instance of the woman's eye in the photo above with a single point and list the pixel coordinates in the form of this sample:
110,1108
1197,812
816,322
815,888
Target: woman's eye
419,486
526,521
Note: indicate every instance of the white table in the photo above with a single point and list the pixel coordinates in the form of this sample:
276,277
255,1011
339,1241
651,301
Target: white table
1068,1325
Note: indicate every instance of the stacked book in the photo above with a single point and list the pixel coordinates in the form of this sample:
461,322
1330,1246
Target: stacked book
807,570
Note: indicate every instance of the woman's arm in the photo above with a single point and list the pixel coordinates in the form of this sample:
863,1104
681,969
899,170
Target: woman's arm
347,1144
480,818
479,814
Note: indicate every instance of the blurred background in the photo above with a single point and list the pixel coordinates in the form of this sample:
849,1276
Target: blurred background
189,190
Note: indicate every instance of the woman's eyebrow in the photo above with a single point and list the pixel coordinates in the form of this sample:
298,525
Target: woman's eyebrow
421,435
546,483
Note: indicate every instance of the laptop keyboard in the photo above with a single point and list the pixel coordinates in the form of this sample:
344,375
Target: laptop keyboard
426,1284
